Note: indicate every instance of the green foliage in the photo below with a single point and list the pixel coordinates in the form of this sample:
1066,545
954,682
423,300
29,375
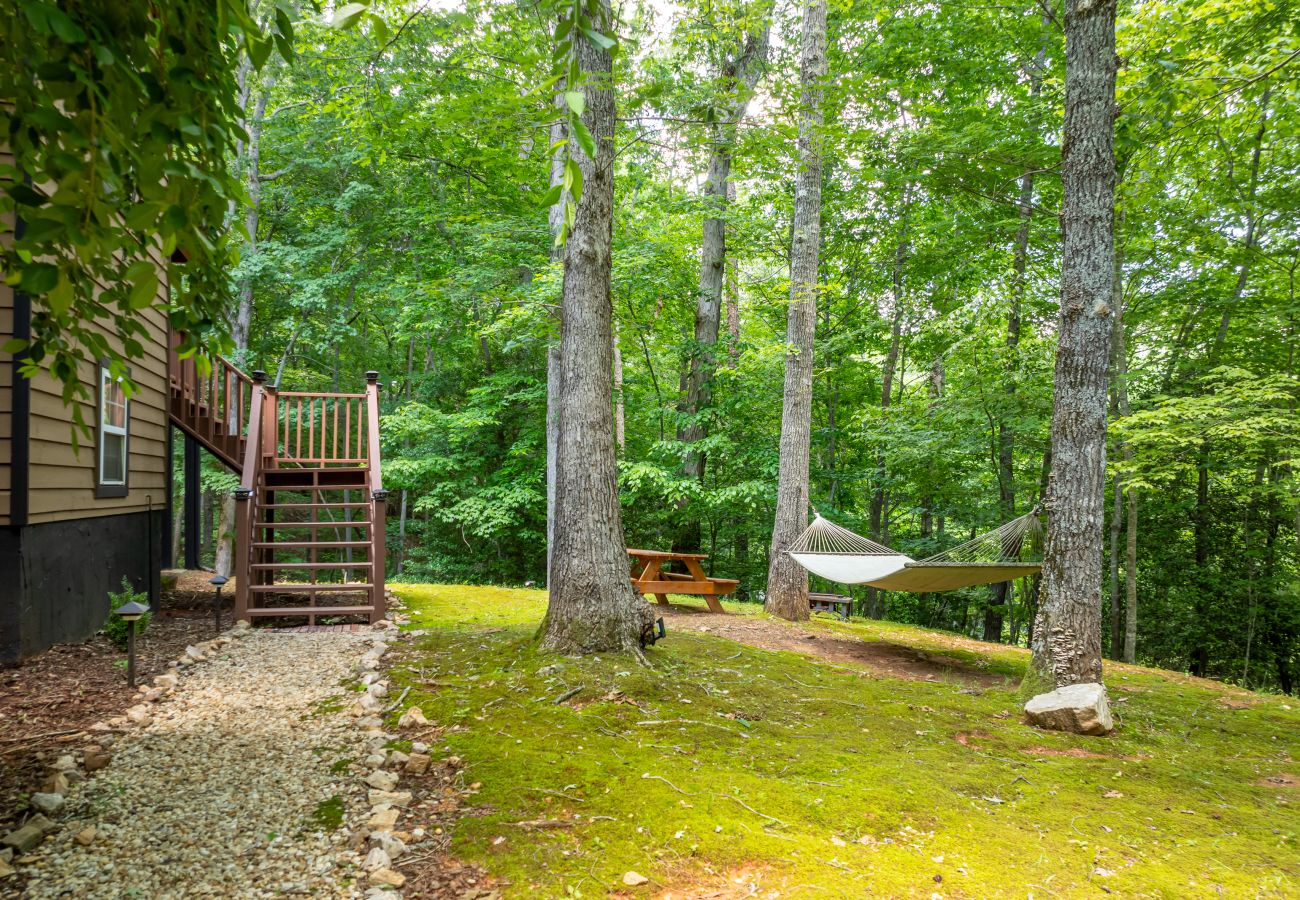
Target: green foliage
120,119
405,231
720,761
117,629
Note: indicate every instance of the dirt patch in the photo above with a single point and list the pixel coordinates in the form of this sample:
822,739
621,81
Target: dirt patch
1237,702
881,658
1074,752
46,700
970,738
1283,780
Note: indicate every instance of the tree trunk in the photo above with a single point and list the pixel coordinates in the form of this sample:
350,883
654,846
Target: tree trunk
787,581
1130,573
739,73
554,373
1067,647
620,412
592,605
733,298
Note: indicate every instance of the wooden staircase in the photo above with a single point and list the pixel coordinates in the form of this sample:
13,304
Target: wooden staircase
311,502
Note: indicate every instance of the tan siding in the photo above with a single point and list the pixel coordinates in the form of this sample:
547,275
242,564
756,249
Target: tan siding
63,481
6,371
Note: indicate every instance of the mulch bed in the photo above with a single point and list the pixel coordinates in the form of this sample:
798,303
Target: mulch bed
47,700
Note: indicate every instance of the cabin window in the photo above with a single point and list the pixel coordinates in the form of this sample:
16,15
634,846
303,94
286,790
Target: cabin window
113,435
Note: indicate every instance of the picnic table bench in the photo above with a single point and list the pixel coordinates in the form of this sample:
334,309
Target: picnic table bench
831,603
649,577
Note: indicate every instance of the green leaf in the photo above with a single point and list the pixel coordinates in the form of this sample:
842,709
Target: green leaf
346,15
583,137
551,197
59,300
379,29
604,42
13,346
39,278
577,101
144,290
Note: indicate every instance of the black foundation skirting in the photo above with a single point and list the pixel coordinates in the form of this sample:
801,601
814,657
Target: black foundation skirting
55,577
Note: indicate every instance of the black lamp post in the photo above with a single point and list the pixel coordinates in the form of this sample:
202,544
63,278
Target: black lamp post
217,581
130,613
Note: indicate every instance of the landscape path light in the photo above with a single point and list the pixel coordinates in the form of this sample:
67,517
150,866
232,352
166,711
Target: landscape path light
217,581
130,613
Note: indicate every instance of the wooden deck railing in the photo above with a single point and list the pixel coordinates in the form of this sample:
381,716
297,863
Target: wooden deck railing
378,495
212,401
321,429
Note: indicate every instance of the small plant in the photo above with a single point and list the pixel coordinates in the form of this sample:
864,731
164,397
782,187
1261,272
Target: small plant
115,629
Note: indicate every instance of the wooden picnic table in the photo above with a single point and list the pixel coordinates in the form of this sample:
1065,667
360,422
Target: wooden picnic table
649,577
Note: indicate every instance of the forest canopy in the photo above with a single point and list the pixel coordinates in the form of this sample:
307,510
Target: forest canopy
396,178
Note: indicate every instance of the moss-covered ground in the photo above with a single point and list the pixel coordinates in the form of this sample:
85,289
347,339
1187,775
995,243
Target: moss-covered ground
721,770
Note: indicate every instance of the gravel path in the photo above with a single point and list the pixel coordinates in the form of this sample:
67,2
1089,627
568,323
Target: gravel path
231,787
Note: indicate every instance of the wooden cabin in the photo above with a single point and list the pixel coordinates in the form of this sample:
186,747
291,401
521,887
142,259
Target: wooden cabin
75,522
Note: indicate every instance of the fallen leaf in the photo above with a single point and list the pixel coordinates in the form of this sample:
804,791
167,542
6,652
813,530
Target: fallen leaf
634,879
838,841
1113,795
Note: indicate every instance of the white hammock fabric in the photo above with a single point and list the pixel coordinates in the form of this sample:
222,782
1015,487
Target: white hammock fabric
837,554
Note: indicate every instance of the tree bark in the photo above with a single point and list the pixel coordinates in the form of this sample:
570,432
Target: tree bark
787,581
592,605
1067,646
554,372
737,77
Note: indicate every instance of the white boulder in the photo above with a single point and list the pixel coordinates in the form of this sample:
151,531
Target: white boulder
1078,708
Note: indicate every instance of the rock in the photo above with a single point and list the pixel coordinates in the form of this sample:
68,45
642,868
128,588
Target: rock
195,653
30,835
138,713
47,803
552,669
412,717
7,854
388,798
389,843
374,760
417,763
65,763
384,820
453,762
397,758
153,695
381,780
55,783
5,869
1078,708
86,836
242,625
634,879
94,758
378,690
388,876
369,703
376,859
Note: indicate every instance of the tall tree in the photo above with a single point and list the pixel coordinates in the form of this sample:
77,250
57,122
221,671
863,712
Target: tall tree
787,581
592,605
738,73
1067,645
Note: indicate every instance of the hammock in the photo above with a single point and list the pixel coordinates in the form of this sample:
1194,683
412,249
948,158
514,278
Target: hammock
837,554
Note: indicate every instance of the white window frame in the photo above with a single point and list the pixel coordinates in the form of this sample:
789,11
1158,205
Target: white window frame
111,486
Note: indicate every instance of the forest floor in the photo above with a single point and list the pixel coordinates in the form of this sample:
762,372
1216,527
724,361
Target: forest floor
755,757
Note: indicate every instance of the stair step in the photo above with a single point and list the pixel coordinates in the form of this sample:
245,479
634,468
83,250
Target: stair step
354,523
312,611
361,564
355,587
306,545
351,504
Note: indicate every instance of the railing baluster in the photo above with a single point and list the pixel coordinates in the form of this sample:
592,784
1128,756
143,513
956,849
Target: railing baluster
335,449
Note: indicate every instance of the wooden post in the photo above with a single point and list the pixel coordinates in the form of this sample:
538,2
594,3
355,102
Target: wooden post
379,502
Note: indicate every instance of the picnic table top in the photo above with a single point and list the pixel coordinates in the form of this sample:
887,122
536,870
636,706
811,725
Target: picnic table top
663,554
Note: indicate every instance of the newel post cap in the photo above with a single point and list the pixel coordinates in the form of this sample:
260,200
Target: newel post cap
243,493
372,377
259,377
